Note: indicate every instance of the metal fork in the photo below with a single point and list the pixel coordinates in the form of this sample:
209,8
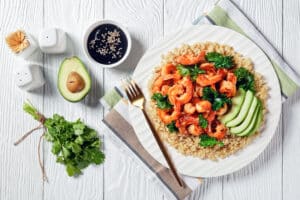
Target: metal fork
137,99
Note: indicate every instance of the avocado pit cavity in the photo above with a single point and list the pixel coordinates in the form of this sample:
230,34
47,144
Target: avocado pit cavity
75,82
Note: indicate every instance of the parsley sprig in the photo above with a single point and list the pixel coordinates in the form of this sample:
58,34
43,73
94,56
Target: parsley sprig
217,99
207,141
162,102
245,79
202,121
172,127
191,71
219,60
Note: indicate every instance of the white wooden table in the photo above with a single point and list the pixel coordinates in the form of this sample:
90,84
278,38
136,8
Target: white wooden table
274,175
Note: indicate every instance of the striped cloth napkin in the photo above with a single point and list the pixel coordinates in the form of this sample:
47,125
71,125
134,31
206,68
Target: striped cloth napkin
225,14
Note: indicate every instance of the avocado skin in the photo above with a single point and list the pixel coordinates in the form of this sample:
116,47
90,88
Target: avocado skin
258,120
59,72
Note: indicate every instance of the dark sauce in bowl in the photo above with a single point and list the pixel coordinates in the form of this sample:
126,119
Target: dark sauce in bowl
107,44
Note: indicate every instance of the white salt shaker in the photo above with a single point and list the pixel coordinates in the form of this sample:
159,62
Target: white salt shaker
53,41
29,77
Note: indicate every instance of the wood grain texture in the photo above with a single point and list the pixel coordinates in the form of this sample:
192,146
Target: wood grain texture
72,16
143,19
291,137
20,175
274,175
261,179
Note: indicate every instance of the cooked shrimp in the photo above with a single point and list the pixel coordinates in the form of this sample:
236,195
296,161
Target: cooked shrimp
189,59
158,84
165,89
206,79
198,91
203,106
181,92
189,108
222,110
183,122
195,129
210,116
217,130
228,87
167,116
169,71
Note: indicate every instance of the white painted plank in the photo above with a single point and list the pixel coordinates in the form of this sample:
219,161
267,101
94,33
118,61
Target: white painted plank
262,178
72,16
123,180
291,137
180,14
20,175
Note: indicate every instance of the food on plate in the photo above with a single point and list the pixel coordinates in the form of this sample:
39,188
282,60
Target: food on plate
74,81
207,100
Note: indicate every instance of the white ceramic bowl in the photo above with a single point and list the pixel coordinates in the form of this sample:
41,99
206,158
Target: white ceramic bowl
88,32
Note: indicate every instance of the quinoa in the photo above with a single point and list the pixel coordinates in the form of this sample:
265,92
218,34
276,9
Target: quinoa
188,144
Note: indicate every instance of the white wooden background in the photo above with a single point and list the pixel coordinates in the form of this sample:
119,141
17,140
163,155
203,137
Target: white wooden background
274,175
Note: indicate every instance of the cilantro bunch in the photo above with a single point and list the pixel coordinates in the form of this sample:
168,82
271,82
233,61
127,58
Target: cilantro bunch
75,144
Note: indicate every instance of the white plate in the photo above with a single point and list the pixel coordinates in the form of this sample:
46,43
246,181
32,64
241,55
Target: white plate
193,166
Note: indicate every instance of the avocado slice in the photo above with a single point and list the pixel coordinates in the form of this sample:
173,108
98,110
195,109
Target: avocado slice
253,124
259,120
244,110
250,115
74,81
237,103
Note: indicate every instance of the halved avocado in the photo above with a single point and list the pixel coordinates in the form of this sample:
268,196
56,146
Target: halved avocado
74,81
237,103
244,110
250,115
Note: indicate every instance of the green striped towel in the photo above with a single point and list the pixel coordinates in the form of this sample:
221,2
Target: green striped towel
227,14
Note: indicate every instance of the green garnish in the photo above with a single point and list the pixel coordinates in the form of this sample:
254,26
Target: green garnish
202,121
162,102
74,143
216,99
219,60
245,79
207,141
172,127
190,71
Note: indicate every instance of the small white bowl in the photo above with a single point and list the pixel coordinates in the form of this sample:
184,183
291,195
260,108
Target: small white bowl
88,32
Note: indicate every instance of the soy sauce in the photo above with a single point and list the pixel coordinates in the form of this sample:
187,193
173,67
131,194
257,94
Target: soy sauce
107,44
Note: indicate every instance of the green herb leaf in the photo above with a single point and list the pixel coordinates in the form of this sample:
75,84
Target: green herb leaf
245,79
207,141
216,99
202,121
162,102
191,71
219,60
172,127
